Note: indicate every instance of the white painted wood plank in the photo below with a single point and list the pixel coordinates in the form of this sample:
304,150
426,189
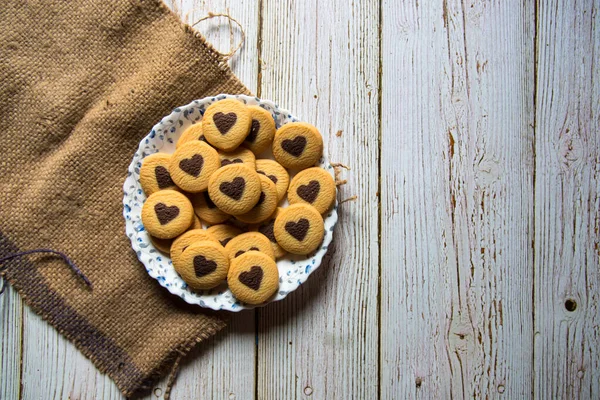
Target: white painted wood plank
320,61
457,205
224,367
11,324
567,201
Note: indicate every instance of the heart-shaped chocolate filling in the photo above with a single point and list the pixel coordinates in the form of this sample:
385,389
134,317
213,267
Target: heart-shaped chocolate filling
294,147
203,267
253,131
298,230
309,192
227,162
267,230
233,189
224,122
193,165
163,178
240,252
252,278
271,177
165,214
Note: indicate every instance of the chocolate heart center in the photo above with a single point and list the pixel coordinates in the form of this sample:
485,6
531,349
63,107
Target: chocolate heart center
203,267
267,230
233,189
224,122
309,192
294,147
253,131
163,178
227,162
271,177
165,214
240,252
252,278
192,166
298,230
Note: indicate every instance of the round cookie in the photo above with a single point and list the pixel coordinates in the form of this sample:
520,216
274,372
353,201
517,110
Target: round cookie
253,277
266,228
226,124
297,145
275,172
249,241
238,156
299,228
203,265
167,214
207,210
197,224
192,164
163,245
224,233
194,132
185,240
267,203
154,173
235,188
314,186
262,130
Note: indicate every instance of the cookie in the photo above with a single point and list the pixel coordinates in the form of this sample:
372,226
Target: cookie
224,233
154,173
185,240
267,203
249,241
226,124
262,130
238,156
297,145
275,172
253,277
194,132
207,210
203,265
162,245
266,228
197,224
192,164
299,228
235,188
314,186
167,214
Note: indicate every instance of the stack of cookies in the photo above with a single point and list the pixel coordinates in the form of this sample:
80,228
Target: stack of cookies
216,176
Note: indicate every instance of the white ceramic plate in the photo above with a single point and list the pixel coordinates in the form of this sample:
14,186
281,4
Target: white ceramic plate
293,270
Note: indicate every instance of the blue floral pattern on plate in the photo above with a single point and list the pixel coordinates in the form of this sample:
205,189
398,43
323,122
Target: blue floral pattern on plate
293,270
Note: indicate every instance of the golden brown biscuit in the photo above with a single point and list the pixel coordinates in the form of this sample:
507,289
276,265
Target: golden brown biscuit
223,233
167,214
203,265
238,156
262,130
267,203
192,164
253,277
226,124
299,228
154,173
249,241
266,228
197,224
194,132
235,188
183,241
207,210
275,172
314,186
162,245
297,145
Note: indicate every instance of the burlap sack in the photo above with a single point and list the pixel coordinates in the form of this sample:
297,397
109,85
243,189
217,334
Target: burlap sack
81,82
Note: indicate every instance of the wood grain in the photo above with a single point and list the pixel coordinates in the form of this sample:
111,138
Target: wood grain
457,199
11,325
567,201
320,60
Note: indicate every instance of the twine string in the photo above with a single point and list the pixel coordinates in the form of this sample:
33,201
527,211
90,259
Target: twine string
232,49
172,377
69,262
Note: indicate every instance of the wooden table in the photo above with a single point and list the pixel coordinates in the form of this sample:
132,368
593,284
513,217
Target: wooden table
468,265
